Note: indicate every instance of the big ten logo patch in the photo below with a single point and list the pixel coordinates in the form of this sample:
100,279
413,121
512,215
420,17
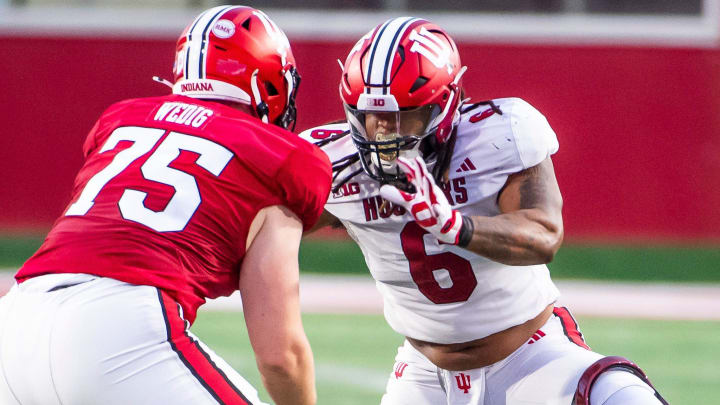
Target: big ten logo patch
399,369
346,190
324,133
463,382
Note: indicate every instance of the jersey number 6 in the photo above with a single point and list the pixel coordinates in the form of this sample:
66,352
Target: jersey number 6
423,268
185,200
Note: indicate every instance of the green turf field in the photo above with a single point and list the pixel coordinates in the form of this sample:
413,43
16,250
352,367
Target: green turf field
598,262
573,261
354,353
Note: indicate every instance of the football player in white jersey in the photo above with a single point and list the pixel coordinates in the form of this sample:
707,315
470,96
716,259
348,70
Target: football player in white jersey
457,210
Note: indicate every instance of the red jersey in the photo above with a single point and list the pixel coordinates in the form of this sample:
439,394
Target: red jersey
167,193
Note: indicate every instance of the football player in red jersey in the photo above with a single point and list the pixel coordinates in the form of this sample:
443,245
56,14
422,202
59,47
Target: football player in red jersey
457,210
181,198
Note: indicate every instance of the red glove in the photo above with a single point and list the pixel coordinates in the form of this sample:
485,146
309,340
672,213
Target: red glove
428,205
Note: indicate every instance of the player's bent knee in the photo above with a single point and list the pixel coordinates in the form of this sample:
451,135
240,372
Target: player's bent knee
619,387
615,380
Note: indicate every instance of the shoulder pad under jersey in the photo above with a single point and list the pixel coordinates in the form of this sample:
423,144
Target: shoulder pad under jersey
516,139
349,180
333,139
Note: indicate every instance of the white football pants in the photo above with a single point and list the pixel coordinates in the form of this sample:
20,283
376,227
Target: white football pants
79,339
543,371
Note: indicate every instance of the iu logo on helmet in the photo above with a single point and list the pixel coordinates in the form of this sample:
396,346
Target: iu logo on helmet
275,33
179,65
433,48
359,44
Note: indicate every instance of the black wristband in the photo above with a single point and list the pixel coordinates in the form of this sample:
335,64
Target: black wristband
466,231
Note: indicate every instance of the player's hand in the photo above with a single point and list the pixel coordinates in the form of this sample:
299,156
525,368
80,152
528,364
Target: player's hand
428,205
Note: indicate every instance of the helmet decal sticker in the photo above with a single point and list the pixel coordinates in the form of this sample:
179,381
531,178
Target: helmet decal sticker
197,39
205,40
224,29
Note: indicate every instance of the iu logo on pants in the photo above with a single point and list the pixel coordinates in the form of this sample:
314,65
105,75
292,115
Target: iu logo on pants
463,382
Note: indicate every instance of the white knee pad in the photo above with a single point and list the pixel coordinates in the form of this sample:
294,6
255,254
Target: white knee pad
620,387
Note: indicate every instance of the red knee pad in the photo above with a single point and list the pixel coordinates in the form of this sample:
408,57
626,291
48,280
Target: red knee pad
582,395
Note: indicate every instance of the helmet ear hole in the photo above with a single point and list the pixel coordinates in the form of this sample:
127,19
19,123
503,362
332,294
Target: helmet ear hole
271,90
246,24
419,82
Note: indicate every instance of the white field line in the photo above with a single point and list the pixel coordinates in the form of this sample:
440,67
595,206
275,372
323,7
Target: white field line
366,379
357,294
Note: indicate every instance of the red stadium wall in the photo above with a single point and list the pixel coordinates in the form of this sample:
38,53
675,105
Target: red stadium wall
639,127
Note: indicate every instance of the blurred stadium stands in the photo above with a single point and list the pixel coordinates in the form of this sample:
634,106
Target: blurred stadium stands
687,7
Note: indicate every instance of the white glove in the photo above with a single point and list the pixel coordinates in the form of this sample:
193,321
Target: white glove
428,205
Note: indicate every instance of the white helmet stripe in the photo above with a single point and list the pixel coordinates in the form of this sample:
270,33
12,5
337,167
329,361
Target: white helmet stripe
382,51
188,40
373,49
197,39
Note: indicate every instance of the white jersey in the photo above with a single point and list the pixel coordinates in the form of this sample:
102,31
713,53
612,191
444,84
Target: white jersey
443,293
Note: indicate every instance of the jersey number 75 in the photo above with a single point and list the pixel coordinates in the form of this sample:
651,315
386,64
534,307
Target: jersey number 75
186,198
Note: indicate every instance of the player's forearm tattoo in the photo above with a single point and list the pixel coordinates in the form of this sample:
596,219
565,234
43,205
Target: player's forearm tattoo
529,232
533,190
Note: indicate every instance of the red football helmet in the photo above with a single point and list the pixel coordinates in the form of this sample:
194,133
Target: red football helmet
400,84
238,54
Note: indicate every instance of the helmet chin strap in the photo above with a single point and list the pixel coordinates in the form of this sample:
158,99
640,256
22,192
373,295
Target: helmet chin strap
260,107
443,129
456,113
291,85
162,81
